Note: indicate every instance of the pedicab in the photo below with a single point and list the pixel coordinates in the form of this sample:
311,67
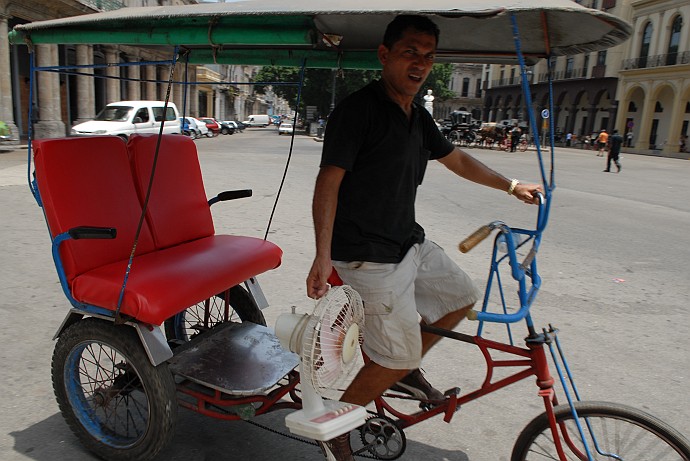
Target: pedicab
166,312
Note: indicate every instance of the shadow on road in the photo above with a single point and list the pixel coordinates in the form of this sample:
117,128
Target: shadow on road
199,439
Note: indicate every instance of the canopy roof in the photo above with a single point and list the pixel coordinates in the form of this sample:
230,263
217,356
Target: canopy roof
346,34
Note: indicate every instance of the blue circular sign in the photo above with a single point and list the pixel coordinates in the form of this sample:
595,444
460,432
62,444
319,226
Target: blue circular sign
545,113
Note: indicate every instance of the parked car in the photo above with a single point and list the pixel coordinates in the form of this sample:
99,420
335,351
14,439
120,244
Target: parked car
239,126
203,129
227,128
193,127
212,124
126,117
286,128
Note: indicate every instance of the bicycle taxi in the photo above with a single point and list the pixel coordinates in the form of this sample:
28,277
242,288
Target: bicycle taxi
167,312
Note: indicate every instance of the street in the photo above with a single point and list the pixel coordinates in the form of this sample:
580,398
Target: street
614,263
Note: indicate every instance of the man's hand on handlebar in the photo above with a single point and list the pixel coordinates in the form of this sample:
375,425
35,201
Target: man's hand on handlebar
528,193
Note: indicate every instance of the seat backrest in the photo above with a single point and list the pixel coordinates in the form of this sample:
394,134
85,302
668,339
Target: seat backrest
178,209
88,182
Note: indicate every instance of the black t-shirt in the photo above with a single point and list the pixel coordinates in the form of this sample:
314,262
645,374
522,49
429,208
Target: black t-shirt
615,143
385,156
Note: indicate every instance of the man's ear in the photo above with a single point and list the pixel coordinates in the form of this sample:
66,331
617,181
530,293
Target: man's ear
382,54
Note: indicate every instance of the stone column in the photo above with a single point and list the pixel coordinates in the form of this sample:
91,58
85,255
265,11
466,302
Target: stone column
217,110
134,85
673,144
112,84
6,81
152,86
193,94
86,100
50,124
177,94
645,129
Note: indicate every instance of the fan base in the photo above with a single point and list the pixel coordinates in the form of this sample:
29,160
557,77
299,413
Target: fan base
336,419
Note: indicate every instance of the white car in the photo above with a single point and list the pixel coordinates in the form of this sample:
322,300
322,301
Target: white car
128,117
286,128
194,127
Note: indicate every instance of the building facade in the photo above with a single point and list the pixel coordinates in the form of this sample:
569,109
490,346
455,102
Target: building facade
654,80
640,87
466,83
63,100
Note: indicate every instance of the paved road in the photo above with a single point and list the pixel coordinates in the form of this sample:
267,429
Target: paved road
615,275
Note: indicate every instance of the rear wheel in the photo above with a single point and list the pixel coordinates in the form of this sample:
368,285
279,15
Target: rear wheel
233,305
116,402
613,432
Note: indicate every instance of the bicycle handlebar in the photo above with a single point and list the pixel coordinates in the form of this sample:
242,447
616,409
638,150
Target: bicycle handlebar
521,272
476,238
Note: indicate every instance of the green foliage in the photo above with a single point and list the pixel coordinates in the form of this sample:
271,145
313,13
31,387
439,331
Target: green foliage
438,81
318,84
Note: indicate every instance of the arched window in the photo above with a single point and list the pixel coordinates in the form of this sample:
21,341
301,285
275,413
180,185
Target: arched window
674,40
646,41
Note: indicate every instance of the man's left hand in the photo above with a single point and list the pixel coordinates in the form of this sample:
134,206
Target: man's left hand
528,193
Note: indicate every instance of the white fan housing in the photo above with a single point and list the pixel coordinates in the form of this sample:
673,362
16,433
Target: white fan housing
327,342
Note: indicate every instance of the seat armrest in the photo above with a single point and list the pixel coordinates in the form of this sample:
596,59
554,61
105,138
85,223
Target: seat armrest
230,195
87,232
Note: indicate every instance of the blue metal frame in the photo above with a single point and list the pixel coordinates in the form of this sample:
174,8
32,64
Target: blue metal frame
526,271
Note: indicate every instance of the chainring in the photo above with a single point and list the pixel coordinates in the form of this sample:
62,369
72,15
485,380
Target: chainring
383,438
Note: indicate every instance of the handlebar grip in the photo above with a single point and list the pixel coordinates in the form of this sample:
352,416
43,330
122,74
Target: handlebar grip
474,239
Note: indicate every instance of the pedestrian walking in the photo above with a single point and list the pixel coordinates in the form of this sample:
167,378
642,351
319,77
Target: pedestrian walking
602,140
615,144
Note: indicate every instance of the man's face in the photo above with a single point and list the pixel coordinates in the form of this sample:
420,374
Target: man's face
408,63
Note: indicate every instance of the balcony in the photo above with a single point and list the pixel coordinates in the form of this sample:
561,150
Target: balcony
659,60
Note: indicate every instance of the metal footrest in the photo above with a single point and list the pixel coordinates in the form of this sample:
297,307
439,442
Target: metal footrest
235,358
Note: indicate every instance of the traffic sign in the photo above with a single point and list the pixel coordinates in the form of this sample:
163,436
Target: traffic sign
545,113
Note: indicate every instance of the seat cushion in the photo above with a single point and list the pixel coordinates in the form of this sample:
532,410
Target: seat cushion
178,209
165,282
88,182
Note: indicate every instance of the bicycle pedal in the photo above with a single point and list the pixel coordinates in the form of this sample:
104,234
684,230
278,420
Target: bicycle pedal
452,391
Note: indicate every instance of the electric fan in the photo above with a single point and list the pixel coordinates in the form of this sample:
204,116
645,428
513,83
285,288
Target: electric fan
327,342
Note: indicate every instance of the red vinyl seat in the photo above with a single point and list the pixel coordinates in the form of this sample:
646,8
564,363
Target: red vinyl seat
101,181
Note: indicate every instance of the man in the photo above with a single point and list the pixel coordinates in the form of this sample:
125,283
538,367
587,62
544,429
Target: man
615,144
515,134
602,140
377,145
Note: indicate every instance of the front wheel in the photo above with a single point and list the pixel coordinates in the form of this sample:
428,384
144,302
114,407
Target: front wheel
612,431
116,402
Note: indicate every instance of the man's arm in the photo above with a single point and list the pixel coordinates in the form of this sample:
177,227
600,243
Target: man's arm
323,211
466,166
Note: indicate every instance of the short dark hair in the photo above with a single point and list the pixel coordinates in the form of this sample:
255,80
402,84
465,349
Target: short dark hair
397,27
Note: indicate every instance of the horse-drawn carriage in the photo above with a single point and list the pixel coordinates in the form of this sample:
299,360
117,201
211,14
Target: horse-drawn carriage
462,129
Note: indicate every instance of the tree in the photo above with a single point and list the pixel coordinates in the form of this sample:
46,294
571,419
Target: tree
318,84
438,81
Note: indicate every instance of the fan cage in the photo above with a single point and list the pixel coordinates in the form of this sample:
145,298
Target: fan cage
322,342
